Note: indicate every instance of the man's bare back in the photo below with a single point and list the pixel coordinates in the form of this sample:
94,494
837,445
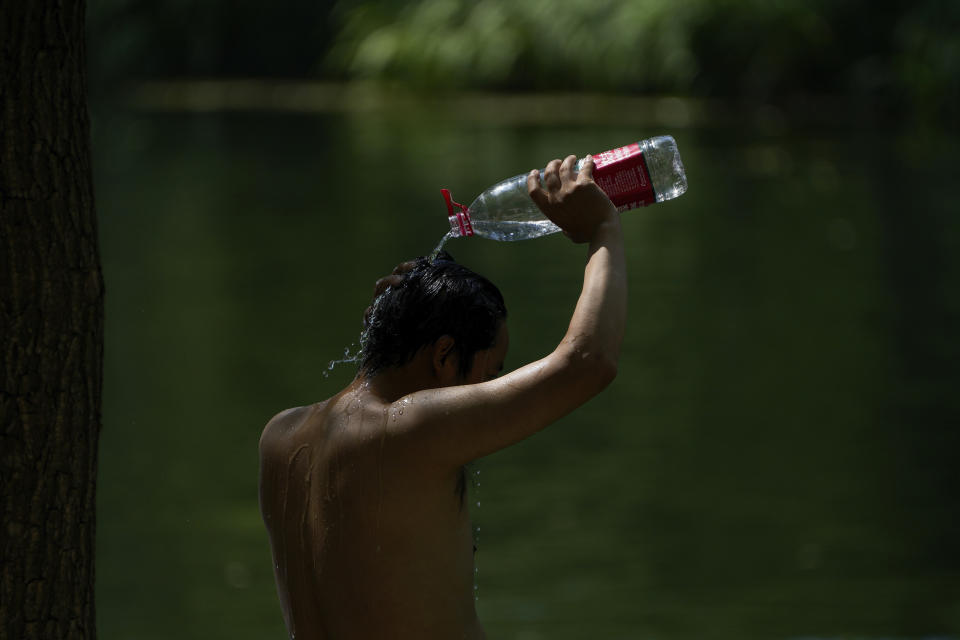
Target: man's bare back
365,546
362,494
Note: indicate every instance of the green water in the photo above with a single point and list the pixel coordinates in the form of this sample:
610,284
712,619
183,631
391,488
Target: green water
777,458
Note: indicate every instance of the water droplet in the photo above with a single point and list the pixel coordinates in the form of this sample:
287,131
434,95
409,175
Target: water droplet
347,358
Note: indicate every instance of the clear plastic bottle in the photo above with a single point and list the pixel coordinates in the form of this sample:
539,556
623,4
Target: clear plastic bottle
633,176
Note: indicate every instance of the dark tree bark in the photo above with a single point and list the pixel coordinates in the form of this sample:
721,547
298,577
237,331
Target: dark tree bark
51,325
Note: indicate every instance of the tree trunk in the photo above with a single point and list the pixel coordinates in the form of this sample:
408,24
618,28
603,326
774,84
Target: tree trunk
51,325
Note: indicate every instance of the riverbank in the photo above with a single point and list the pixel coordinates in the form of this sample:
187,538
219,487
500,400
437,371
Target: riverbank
299,96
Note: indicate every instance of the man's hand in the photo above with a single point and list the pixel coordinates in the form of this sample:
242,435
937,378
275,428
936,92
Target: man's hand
572,201
392,280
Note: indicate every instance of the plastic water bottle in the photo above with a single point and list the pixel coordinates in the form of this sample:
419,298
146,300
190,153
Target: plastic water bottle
633,176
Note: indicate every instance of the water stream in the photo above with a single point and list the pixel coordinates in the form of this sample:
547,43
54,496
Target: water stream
443,241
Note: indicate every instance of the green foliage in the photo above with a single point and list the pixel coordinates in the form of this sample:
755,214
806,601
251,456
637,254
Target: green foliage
901,56
927,60
750,48
537,43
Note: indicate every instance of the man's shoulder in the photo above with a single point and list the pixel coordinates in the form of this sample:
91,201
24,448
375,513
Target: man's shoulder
342,421
283,424
298,423
286,417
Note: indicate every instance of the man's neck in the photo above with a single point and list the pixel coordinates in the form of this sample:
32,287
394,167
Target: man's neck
392,384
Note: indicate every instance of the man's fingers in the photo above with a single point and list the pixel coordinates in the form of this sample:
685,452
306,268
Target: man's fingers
386,281
551,176
568,169
586,170
395,279
537,194
404,267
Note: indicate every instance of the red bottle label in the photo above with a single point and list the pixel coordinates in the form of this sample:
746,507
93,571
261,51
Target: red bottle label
622,174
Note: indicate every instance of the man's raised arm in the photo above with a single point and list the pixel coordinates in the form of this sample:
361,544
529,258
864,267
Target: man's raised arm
454,425
585,213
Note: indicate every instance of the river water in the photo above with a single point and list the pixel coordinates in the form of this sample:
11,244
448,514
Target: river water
776,459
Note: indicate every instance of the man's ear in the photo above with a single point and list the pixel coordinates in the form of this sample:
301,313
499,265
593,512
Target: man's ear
444,359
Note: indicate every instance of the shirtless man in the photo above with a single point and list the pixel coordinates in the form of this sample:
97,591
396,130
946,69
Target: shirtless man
362,494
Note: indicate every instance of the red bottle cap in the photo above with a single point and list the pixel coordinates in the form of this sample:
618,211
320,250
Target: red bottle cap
459,220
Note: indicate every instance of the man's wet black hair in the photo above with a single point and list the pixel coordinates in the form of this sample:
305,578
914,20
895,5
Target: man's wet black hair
436,298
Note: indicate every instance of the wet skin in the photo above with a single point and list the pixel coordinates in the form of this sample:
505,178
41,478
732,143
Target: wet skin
366,544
